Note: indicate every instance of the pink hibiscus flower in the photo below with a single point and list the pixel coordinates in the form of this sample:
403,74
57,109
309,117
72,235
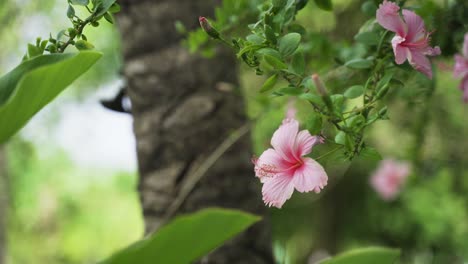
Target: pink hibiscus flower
461,68
389,178
283,168
411,41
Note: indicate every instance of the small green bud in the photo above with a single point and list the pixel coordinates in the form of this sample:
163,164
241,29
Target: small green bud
72,32
95,24
208,28
83,45
383,112
52,48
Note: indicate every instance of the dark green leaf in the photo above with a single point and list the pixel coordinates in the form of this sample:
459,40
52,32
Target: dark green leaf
354,91
370,154
269,51
70,11
276,63
269,83
359,64
108,16
370,255
289,43
369,8
356,122
298,63
187,238
34,83
80,2
270,35
324,4
102,7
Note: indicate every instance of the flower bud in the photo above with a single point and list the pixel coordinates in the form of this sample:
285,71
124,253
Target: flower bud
208,28
321,89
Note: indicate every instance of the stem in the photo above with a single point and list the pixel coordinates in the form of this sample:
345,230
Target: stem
328,153
62,48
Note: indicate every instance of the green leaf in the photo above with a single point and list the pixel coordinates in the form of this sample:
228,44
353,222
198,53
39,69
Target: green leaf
270,35
354,91
34,83
290,91
80,2
274,62
70,11
385,79
269,83
33,51
108,16
324,4
370,255
359,64
298,63
115,8
369,38
102,7
314,124
369,8
340,138
370,154
313,98
187,238
289,43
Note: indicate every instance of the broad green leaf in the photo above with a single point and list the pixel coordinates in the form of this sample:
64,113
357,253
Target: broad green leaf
80,2
269,83
369,38
34,83
289,43
324,4
270,35
354,91
274,62
340,138
298,63
103,7
187,238
359,64
370,255
370,154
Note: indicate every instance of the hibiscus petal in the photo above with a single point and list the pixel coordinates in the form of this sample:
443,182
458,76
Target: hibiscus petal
464,88
277,190
389,18
416,30
310,176
284,138
465,46
419,61
401,52
304,143
461,66
269,164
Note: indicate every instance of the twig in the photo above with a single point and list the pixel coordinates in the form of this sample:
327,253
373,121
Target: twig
192,179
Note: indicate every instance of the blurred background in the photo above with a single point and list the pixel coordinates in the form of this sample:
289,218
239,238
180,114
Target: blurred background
72,170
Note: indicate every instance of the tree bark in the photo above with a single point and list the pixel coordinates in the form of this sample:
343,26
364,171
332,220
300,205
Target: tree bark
181,117
3,205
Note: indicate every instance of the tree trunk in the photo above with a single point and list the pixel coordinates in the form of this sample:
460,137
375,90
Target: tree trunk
182,119
3,205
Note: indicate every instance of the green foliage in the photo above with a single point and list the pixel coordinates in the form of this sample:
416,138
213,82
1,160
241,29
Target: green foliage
371,255
187,238
34,83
